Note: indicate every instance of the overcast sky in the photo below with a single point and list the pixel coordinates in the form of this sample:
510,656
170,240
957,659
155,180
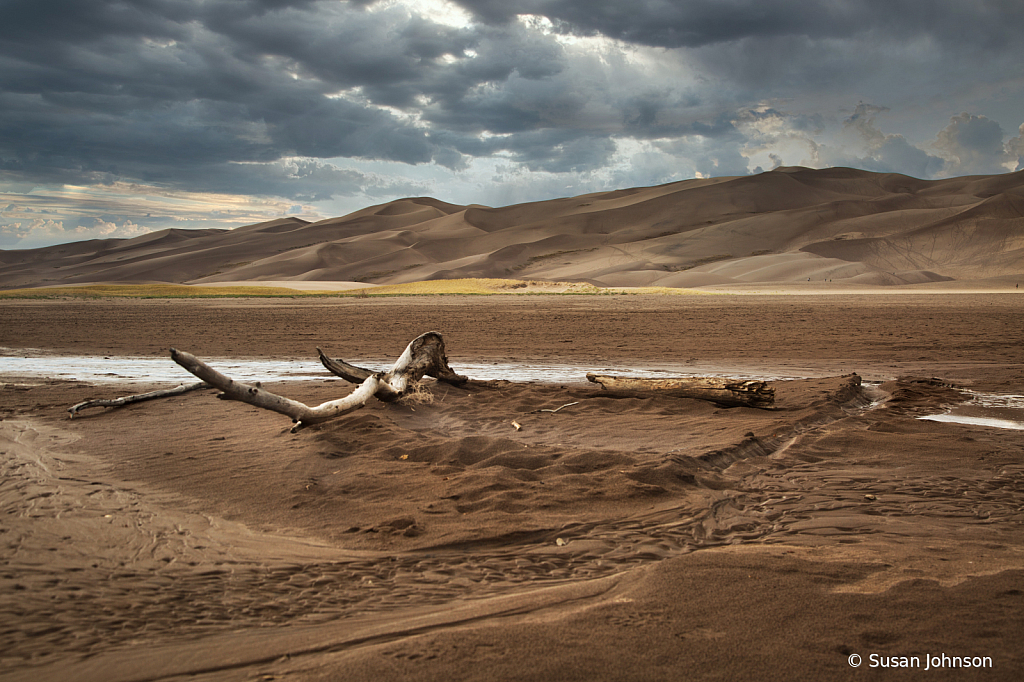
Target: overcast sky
122,117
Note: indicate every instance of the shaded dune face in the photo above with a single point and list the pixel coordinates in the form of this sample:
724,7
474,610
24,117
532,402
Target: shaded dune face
788,225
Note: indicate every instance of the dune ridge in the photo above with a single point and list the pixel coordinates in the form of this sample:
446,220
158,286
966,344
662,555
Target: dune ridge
785,226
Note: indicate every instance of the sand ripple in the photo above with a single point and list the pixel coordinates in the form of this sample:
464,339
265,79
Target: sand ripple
92,564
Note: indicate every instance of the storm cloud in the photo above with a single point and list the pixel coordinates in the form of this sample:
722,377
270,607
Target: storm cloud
319,107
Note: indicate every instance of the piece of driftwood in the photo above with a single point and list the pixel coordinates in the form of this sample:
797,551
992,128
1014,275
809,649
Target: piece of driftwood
424,356
141,397
557,409
350,373
727,392
427,349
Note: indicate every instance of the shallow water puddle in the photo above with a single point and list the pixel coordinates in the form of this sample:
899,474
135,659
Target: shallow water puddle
29,362
156,369
986,409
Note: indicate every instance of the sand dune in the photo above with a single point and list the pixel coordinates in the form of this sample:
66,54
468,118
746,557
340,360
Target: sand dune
786,226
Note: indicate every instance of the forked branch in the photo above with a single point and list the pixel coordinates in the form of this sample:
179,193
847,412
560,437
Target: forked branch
424,356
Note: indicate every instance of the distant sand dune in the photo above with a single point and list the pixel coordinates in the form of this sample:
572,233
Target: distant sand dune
786,226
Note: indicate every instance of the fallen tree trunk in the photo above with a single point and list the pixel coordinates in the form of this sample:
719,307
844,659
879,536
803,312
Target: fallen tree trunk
727,392
141,397
424,356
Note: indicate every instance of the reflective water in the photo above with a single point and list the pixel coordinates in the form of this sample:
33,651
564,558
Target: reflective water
996,410
28,362
976,421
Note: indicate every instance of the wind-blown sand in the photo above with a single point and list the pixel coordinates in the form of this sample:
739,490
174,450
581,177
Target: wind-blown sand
621,538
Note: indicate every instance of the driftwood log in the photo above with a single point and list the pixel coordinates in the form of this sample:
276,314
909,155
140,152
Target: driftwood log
141,397
424,356
727,392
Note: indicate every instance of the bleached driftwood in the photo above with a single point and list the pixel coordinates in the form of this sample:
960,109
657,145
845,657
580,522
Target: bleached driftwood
424,356
728,392
557,409
427,350
351,373
141,397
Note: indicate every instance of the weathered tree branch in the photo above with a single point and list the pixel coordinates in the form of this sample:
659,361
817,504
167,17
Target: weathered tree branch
128,399
728,392
350,373
300,413
423,356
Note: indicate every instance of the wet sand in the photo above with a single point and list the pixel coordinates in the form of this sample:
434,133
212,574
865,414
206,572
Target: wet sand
624,537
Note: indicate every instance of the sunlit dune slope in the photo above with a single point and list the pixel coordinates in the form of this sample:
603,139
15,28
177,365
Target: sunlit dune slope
787,225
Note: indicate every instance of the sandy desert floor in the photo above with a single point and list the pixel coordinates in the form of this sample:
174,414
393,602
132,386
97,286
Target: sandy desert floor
635,537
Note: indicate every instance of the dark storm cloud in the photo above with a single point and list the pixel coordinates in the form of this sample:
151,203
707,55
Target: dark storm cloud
72,21
303,180
696,23
150,90
390,54
662,23
157,141
223,95
792,47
